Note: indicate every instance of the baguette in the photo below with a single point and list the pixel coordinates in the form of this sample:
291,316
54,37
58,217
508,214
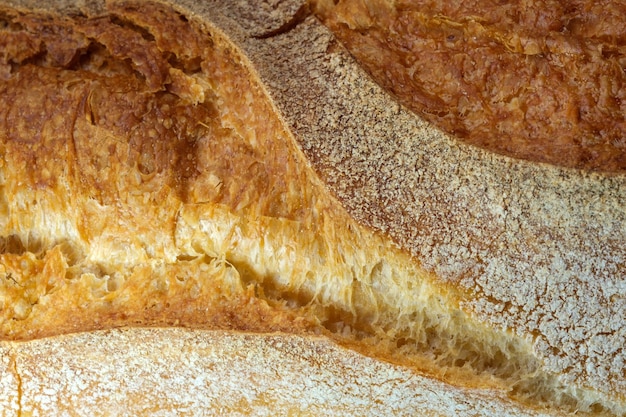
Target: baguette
223,177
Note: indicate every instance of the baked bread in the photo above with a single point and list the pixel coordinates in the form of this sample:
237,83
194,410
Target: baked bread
222,181
542,81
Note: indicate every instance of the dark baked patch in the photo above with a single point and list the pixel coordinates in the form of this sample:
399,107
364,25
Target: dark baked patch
542,80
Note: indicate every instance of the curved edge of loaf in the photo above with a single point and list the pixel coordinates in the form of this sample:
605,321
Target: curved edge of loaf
165,371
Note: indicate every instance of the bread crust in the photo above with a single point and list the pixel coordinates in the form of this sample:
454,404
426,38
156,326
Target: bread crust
499,75
536,248
520,246
172,371
167,371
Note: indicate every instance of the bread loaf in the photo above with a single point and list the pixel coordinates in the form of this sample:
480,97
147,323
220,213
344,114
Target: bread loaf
269,232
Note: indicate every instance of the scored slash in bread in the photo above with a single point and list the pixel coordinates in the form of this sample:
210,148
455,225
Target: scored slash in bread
204,166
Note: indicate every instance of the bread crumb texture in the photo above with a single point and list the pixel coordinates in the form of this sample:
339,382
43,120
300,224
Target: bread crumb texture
147,179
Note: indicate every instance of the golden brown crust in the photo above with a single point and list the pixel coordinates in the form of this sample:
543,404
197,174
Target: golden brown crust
538,80
121,178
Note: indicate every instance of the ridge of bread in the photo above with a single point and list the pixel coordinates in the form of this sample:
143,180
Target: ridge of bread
160,371
275,251
537,249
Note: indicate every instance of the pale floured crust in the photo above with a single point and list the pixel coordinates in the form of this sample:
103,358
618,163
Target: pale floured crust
174,371
254,240
9,383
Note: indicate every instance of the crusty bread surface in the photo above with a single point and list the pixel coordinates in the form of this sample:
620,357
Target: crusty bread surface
198,372
275,234
539,80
